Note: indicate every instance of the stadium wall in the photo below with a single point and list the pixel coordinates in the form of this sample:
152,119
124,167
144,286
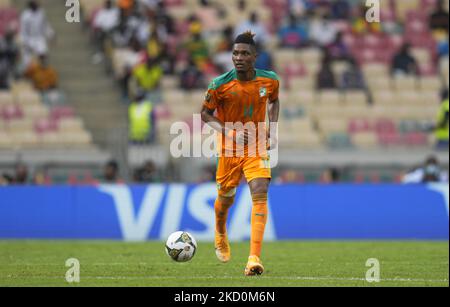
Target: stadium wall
139,213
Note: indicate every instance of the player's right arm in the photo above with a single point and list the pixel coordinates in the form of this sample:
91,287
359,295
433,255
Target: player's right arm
209,107
209,118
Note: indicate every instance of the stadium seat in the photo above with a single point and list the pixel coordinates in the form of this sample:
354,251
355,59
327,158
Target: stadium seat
24,139
28,98
36,111
358,125
44,125
330,97
70,124
20,125
385,125
365,140
6,97
328,126
11,111
339,141
389,139
60,112
403,83
302,84
430,84
5,140
355,98
415,139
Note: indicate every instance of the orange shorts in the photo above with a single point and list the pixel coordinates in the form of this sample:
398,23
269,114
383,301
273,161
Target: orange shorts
230,170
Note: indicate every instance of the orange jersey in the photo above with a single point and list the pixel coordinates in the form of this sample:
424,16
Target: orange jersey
243,102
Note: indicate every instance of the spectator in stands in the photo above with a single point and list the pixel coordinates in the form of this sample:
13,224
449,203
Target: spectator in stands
21,174
35,31
340,9
223,54
150,4
353,77
147,173
323,32
438,22
208,17
6,179
111,172
325,77
155,45
439,19
147,76
196,46
429,172
442,124
9,53
404,63
264,60
105,21
300,7
43,76
141,120
293,34
191,77
40,178
126,5
121,35
130,59
338,50
255,26
331,175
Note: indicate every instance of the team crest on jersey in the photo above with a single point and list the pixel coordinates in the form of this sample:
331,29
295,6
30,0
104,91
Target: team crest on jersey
262,92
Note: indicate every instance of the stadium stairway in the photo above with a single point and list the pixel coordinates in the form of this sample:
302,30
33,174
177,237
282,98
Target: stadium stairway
94,95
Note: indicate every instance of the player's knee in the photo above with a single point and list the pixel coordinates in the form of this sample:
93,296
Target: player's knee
227,200
259,186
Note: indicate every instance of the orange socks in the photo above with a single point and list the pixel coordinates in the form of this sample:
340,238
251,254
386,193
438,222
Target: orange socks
259,220
221,210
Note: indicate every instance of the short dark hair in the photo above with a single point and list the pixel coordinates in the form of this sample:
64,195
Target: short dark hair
246,38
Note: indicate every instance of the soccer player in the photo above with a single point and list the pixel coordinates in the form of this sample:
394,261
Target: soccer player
243,96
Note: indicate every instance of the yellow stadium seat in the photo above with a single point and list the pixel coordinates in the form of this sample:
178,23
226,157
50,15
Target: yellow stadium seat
405,83
330,97
365,140
355,98
430,84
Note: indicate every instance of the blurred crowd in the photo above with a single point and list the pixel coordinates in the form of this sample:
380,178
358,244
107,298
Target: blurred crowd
24,51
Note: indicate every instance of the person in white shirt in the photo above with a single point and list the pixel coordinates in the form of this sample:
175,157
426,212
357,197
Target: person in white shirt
429,173
35,32
107,18
255,26
322,31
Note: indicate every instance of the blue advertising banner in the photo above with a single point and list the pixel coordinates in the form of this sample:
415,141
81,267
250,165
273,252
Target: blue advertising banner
139,213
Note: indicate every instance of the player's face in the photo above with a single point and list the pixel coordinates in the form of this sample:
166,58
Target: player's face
244,57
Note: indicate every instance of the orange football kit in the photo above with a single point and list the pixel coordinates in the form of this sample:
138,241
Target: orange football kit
242,103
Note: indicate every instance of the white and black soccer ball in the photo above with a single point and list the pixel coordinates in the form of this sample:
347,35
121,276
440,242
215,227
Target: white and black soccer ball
181,246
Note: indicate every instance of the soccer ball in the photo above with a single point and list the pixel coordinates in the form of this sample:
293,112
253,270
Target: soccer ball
181,246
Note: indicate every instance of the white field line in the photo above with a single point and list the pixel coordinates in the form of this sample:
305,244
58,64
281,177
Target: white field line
263,278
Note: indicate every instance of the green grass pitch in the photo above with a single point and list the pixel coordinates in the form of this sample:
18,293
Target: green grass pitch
288,264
